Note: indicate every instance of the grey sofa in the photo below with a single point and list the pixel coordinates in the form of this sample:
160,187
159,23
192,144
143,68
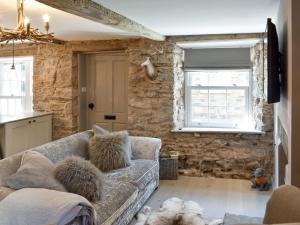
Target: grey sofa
125,190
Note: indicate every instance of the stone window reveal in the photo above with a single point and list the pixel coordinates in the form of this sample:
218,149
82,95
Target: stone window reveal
260,113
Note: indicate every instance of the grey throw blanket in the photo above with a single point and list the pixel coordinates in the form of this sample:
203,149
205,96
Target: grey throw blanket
36,206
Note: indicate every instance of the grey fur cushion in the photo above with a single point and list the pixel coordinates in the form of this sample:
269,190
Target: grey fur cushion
36,171
110,151
81,177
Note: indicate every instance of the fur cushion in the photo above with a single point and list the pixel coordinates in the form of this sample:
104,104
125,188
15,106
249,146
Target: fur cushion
110,151
81,177
98,130
36,171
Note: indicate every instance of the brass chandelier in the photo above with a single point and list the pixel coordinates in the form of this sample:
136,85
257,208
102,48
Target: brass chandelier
24,31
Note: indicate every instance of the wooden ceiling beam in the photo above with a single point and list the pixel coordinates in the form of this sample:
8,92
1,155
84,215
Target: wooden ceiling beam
93,11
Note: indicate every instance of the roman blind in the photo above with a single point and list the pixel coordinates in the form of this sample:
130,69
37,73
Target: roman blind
217,58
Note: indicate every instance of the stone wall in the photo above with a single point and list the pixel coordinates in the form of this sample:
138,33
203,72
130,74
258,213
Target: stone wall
150,107
179,89
261,111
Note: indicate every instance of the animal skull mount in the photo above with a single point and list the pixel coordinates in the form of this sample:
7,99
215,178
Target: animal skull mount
151,71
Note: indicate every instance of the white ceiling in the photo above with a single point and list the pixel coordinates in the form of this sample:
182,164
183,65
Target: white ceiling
65,26
187,17
168,17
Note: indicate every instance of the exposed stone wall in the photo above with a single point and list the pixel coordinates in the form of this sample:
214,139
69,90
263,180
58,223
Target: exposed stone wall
262,112
54,87
150,107
150,114
179,88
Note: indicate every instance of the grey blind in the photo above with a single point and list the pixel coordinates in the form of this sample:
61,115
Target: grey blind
217,57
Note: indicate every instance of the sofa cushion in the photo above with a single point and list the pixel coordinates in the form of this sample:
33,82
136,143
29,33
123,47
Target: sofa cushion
98,130
140,173
80,176
9,166
36,171
110,151
117,196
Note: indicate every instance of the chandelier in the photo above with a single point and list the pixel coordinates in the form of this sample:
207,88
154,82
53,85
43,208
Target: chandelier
24,31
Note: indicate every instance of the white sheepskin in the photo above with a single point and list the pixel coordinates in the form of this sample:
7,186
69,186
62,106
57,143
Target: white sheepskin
173,211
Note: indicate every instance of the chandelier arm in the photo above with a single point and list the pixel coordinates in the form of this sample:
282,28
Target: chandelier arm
2,39
20,15
24,31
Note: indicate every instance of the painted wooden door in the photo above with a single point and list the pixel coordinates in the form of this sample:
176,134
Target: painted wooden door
107,102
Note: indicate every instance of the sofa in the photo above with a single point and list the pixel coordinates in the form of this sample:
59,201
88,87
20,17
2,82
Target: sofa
125,190
283,208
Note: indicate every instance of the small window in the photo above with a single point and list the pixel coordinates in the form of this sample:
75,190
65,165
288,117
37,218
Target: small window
16,86
217,98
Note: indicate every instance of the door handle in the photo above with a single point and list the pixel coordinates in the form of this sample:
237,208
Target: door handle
91,106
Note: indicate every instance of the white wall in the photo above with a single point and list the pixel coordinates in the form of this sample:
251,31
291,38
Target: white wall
295,93
288,110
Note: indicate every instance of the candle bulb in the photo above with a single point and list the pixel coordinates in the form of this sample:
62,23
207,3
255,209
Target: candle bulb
27,24
46,19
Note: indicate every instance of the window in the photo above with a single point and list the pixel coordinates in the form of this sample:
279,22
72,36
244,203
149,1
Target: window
16,86
218,98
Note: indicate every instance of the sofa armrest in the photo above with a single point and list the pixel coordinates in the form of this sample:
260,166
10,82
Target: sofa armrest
283,206
145,147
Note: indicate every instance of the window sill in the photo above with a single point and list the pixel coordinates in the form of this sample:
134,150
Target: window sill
217,130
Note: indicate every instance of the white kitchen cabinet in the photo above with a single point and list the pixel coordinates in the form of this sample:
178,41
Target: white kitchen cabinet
25,133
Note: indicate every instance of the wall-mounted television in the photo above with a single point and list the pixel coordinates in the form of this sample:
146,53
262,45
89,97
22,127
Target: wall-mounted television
273,74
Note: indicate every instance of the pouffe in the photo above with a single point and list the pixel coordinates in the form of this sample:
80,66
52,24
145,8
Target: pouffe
231,219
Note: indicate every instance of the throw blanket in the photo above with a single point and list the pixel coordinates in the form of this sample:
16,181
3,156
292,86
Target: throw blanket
36,206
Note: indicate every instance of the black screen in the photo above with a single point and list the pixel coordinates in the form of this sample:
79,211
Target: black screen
274,61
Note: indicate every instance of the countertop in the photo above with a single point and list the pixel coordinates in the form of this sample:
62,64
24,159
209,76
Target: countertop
14,118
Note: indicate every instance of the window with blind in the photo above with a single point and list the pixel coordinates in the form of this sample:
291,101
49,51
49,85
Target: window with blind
218,88
218,98
16,86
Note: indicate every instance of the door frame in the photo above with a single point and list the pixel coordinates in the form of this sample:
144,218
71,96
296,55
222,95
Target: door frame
82,76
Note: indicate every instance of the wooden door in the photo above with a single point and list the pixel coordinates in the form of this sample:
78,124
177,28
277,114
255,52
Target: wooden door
107,91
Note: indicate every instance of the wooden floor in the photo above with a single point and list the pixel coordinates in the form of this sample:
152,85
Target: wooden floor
216,196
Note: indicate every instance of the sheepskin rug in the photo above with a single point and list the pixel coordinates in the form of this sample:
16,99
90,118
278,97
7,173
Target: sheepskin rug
174,211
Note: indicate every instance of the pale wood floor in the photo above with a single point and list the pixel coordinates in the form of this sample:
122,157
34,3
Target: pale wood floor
216,196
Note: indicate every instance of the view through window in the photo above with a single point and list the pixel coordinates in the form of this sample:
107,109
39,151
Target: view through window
218,98
16,86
